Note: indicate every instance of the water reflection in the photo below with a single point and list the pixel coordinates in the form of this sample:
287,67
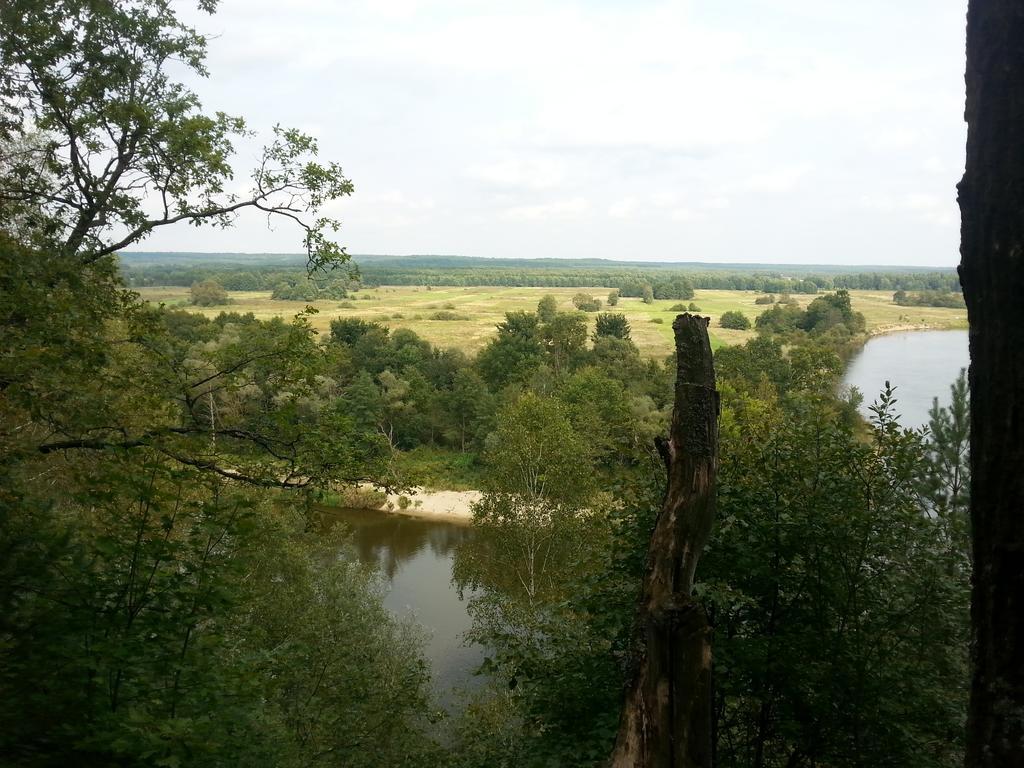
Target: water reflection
415,557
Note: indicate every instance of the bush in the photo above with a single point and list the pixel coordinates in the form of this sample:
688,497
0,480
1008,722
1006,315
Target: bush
208,293
735,320
679,308
586,303
404,502
951,300
693,307
658,320
304,289
782,319
767,299
355,497
439,468
611,324
445,314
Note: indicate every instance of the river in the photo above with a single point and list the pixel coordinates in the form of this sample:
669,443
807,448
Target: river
414,556
919,364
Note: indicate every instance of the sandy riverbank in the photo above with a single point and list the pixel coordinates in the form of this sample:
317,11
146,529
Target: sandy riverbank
451,506
883,330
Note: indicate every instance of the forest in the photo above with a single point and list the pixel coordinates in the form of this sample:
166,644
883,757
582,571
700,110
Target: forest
667,283
172,595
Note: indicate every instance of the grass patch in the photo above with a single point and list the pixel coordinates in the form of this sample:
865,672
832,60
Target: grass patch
356,498
439,469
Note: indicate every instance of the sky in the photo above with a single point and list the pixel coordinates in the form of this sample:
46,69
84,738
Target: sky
772,131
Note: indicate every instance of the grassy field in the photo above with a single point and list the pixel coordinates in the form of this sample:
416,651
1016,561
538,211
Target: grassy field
483,308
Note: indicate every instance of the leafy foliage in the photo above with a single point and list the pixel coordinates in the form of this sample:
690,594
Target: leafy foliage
838,596
91,118
586,303
613,325
208,293
735,320
951,299
840,617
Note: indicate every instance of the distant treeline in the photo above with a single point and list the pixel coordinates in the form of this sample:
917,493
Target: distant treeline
667,284
627,280
288,283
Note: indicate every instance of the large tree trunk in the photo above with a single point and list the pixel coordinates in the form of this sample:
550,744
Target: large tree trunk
666,718
992,274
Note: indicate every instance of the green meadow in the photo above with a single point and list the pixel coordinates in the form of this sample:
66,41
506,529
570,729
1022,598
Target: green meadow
480,309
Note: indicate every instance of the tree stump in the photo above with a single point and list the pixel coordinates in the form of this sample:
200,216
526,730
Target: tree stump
666,717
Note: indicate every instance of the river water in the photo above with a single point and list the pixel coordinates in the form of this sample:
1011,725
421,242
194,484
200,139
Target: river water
414,556
919,364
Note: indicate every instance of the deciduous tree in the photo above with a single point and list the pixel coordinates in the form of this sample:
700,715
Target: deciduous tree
94,127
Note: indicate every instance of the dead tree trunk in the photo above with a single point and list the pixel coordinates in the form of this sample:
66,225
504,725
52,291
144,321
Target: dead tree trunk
666,718
992,273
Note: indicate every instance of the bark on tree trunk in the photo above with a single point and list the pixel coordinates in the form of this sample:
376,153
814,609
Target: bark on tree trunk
666,718
992,273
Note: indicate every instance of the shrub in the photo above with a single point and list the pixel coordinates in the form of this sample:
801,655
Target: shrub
951,300
355,497
693,307
305,289
766,299
404,502
679,308
735,320
547,308
611,324
658,320
208,293
445,314
586,303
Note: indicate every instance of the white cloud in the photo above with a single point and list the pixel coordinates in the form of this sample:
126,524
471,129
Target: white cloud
684,214
779,180
715,203
520,172
934,209
894,138
664,199
556,209
624,208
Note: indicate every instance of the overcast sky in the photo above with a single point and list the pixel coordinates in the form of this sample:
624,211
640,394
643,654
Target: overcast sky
810,131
